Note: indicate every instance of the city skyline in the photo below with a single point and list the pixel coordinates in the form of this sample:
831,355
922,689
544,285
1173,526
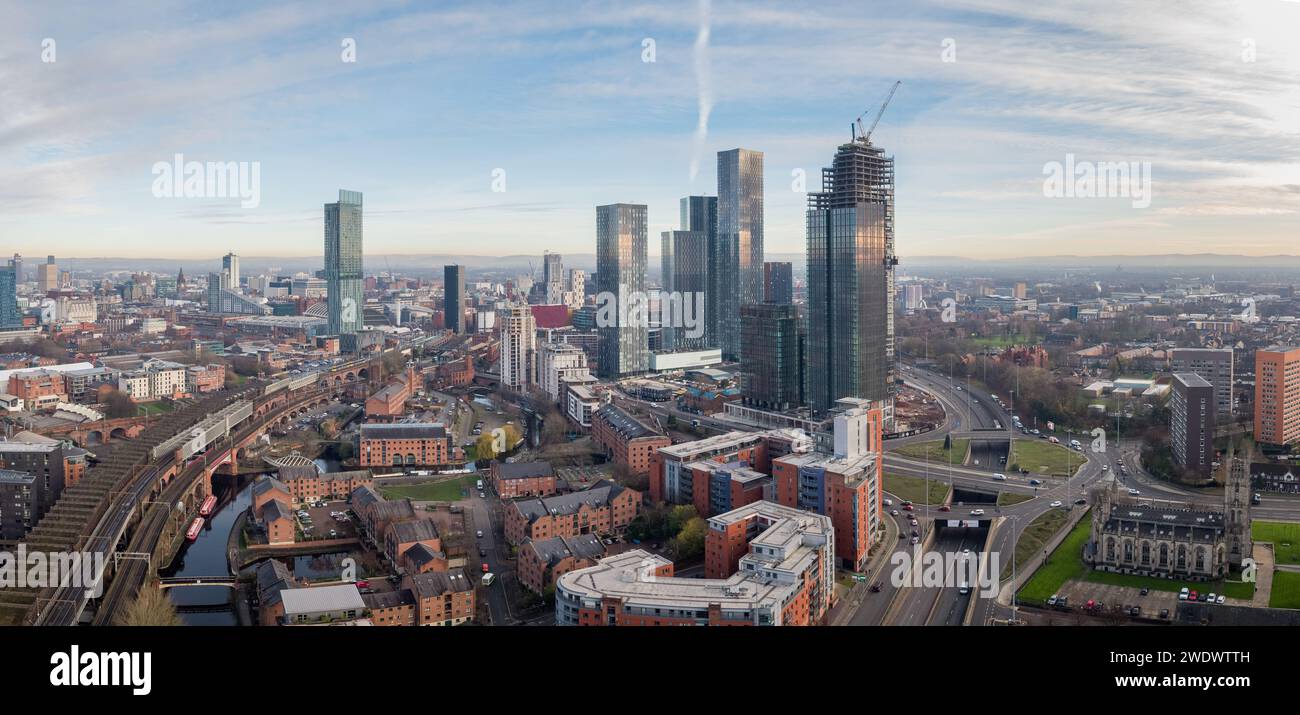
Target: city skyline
1027,87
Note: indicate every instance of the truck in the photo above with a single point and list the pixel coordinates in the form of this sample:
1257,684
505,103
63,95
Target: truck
488,578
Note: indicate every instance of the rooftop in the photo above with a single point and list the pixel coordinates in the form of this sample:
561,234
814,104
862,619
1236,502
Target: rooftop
322,599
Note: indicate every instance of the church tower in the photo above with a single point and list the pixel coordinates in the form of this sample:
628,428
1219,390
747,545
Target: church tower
1236,509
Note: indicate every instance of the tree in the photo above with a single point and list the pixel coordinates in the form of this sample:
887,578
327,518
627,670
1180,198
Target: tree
150,608
689,542
119,404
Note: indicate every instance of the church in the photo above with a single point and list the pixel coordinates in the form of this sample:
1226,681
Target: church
1134,536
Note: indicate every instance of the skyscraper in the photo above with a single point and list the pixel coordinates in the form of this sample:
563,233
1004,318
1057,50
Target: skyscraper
740,241
1277,395
47,276
453,298
1213,364
685,256
518,348
850,261
772,370
778,282
1191,422
19,272
230,265
700,214
343,269
9,315
623,330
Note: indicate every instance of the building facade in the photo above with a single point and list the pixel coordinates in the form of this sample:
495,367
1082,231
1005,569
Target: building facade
1213,364
453,298
773,363
1191,422
343,263
1277,395
621,275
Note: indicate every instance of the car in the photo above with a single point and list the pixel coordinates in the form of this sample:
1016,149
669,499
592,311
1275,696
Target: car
915,532
1133,492
1091,604
1135,611
1000,477
1164,613
916,540
965,551
875,587
1055,504
1080,502
888,502
909,507
893,512
945,507
1105,467
333,532
1210,598
977,512
363,584
1052,601
959,388
482,551
1145,591
1182,593
907,502
915,523
479,533
1192,596
1035,482
1220,599
485,567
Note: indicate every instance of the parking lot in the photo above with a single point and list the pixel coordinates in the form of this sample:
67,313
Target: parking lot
1079,592
320,522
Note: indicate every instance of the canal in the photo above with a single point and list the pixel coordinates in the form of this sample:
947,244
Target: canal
206,556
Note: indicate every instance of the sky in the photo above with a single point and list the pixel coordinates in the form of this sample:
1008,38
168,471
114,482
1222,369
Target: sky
496,128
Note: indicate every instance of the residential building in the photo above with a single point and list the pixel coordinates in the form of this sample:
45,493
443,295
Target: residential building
605,508
558,363
408,444
630,443
441,599
773,363
1277,395
739,248
321,604
343,263
1191,422
850,278
522,479
542,562
685,266
1213,364
621,280
453,301
766,565
518,348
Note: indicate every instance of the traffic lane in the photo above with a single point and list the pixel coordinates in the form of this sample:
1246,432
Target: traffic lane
951,610
916,603
874,604
497,606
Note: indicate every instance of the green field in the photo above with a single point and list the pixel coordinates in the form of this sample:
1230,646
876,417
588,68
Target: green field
156,408
913,489
445,490
1286,590
1063,564
1009,498
1039,455
934,451
1285,537
1039,532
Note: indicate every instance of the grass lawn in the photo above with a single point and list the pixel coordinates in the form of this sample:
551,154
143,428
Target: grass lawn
934,451
156,408
1286,590
913,489
1039,455
1285,537
1062,565
1009,498
1038,532
446,490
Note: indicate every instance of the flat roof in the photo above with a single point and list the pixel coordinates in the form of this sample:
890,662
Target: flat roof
323,599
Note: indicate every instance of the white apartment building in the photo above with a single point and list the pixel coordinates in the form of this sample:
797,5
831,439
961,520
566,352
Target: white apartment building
518,343
558,362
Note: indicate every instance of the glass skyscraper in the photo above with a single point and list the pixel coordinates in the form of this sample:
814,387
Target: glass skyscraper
850,263
453,298
739,256
700,214
685,256
343,270
9,315
624,346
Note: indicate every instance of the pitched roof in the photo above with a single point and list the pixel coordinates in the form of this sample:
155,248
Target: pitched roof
415,530
524,470
404,430
426,585
600,494
552,550
420,554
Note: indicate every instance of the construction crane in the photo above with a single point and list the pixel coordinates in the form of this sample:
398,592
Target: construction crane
866,135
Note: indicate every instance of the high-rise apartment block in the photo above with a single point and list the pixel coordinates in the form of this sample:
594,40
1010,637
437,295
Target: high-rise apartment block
738,257
518,345
772,366
1277,395
1215,365
1191,422
343,263
621,261
453,298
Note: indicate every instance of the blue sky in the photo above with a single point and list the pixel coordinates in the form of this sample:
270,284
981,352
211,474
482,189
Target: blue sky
557,95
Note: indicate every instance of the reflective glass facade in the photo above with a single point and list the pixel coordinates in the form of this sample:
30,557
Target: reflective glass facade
343,269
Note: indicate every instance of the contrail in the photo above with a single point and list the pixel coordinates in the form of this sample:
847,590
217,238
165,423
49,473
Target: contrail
704,87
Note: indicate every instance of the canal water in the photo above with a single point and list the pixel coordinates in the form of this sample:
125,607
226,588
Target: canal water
206,556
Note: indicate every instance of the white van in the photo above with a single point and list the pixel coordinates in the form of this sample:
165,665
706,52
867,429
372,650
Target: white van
488,578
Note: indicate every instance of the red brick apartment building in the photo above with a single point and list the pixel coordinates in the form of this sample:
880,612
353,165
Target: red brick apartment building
605,508
456,374
421,444
432,599
523,479
543,561
628,441
1277,395
769,565
307,483
389,403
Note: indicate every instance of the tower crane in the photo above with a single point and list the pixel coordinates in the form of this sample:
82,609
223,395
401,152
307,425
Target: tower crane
866,135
